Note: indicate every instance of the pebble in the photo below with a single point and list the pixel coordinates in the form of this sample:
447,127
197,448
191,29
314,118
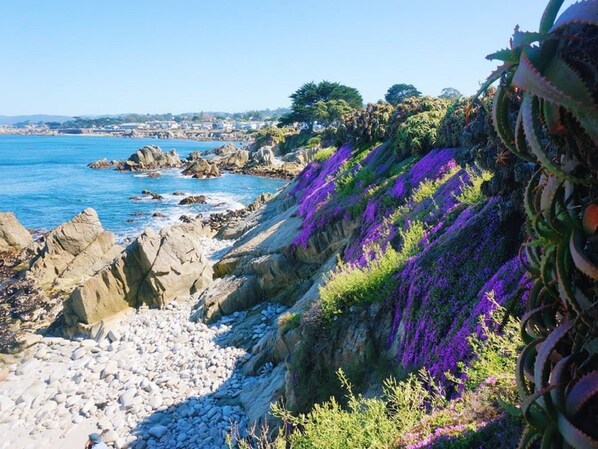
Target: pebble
153,383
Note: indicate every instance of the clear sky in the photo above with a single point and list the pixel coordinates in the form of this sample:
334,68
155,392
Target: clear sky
76,57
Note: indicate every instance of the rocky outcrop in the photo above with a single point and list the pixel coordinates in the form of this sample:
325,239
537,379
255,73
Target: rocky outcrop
194,199
152,270
72,252
13,236
233,161
228,148
149,157
200,168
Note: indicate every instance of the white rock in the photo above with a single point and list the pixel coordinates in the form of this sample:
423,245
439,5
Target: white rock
158,430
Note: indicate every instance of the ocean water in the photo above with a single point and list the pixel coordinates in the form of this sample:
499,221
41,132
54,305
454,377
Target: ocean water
45,181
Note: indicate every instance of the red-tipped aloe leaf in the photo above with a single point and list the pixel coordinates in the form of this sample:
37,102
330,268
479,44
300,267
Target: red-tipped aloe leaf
581,13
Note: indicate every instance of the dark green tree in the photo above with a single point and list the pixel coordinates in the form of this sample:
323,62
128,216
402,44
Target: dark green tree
307,102
399,92
450,93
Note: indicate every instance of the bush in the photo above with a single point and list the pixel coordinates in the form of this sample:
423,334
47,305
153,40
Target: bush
353,284
366,422
452,124
324,153
370,125
471,193
417,134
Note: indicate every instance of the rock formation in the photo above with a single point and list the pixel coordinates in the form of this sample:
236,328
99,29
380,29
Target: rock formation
200,168
149,157
13,236
72,252
152,270
194,199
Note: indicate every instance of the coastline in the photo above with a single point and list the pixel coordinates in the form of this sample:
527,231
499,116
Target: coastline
203,136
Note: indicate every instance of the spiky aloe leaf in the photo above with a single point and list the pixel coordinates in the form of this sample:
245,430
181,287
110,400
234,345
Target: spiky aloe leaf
528,438
558,378
494,76
542,363
509,408
552,118
520,144
558,89
523,39
581,393
550,14
574,436
531,322
581,13
581,261
525,365
500,117
505,55
530,113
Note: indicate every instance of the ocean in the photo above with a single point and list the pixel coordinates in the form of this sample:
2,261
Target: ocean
45,181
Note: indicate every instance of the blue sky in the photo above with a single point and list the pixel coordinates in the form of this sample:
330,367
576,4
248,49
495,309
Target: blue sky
104,57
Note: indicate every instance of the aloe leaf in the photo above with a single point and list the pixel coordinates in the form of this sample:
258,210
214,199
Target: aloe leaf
559,380
529,110
581,261
581,393
525,38
552,118
505,55
500,117
574,436
528,322
530,79
550,14
582,13
494,76
528,438
520,143
525,362
509,408
541,365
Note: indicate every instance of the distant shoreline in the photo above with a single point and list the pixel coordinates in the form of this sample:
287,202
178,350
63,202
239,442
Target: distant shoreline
135,134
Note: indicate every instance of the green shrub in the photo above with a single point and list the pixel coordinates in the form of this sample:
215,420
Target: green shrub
353,284
429,186
324,153
417,134
288,321
365,422
452,124
471,194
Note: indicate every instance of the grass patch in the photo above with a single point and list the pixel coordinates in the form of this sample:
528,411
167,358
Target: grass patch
353,284
288,321
428,187
471,194
324,154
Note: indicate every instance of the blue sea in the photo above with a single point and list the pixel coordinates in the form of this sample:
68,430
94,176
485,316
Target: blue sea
45,181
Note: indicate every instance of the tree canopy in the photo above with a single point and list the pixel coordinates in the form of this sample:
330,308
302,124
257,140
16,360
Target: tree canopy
450,93
324,102
398,92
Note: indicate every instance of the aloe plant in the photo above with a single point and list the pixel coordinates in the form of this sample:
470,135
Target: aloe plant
545,110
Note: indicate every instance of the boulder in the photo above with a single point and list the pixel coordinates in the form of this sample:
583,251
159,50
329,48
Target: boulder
13,236
226,296
151,157
233,161
73,251
263,156
228,148
200,168
101,163
153,270
194,199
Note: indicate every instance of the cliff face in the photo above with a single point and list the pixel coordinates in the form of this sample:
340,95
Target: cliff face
386,264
